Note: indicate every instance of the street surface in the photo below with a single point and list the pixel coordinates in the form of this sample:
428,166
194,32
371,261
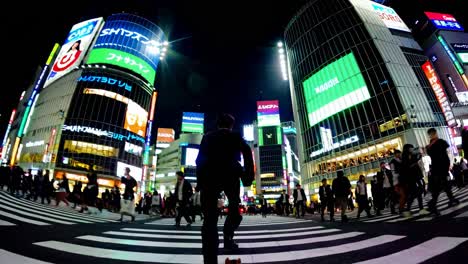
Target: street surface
34,233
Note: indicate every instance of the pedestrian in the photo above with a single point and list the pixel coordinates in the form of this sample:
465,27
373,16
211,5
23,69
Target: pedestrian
155,204
16,178
263,206
196,204
62,192
284,203
361,197
327,201
464,172
399,183
106,195
46,187
341,188
218,169
127,204
300,200
77,193
184,192
388,187
90,192
412,175
440,165
378,194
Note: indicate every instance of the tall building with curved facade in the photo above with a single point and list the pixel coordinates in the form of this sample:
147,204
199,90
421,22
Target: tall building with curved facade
358,88
97,104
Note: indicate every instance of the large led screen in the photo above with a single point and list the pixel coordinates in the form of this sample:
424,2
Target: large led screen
74,48
268,113
193,122
124,60
191,156
136,118
334,88
135,172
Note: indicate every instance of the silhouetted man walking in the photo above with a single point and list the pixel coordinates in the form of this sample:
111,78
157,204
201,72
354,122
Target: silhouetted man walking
218,169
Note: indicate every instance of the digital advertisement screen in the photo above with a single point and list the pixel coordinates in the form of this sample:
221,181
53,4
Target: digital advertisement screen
444,21
336,87
74,48
191,156
268,113
390,18
124,60
193,122
463,57
135,172
135,119
165,135
248,132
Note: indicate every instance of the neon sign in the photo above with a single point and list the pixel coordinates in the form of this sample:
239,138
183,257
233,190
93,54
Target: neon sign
440,93
444,21
107,80
34,144
451,55
98,132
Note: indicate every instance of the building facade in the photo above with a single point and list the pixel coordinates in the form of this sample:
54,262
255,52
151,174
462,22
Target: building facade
357,88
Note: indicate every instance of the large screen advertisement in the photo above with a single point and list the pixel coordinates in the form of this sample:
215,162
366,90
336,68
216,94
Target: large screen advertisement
444,21
193,122
390,17
268,113
136,118
73,50
191,155
165,135
135,172
334,88
130,42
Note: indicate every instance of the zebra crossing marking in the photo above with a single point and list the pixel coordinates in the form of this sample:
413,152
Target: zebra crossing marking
237,232
22,219
6,223
10,257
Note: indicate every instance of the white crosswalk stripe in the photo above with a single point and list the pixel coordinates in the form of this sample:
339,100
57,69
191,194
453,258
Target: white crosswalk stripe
14,210
267,244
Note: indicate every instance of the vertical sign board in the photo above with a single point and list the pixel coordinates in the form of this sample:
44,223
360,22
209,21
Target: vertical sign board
440,93
192,122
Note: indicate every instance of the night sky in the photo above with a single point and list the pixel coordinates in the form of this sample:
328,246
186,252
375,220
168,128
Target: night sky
223,56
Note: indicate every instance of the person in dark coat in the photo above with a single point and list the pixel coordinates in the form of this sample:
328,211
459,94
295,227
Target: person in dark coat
90,192
183,192
46,188
264,206
341,188
300,200
327,200
219,169
129,194
440,165
283,203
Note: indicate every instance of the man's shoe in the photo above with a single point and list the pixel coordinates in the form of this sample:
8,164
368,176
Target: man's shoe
133,218
370,215
453,202
230,245
407,214
423,212
177,225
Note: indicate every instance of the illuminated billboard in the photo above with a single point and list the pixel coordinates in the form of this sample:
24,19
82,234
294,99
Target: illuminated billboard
439,92
444,21
124,60
191,156
73,50
334,88
193,122
130,42
135,172
390,17
165,135
135,119
248,132
268,113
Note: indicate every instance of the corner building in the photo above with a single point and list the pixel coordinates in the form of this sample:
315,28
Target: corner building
98,114
357,87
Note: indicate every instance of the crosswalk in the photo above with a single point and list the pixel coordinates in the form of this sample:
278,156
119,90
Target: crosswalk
15,211
259,241
442,205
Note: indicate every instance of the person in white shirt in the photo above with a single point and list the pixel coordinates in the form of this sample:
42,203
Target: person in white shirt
299,200
361,197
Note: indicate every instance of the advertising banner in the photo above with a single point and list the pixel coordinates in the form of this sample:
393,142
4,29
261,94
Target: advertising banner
124,60
390,17
268,113
334,88
439,93
165,135
135,119
444,21
193,122
135,172
73,50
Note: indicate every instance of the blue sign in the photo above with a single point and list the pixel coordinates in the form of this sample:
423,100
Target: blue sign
193,118
82,31
104,79
449,25
134,35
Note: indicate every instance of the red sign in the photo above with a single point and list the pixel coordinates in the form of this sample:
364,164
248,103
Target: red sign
439,93
440,16
268,107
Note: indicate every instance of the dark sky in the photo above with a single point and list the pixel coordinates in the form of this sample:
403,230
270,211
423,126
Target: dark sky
225,60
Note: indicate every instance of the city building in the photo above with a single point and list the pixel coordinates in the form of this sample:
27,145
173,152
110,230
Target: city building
93,107
446,45
358,89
